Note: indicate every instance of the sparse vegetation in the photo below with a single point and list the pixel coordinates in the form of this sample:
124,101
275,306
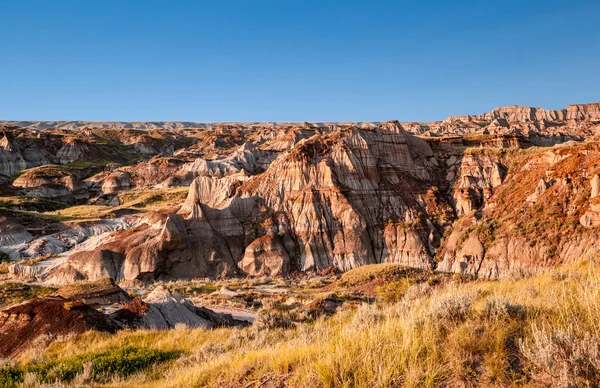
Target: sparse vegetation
76,289
383,272
10,375
12,293
103,366
132,200
31,204
486,231
393,291
541,330
563,357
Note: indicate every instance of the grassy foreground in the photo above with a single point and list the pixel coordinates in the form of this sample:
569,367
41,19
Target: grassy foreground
537,331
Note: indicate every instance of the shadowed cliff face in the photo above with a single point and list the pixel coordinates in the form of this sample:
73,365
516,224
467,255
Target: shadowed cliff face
278,199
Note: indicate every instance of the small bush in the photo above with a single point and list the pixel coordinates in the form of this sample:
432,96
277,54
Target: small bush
4,262
496,308
180,326
563,358
10,375
486,232
206,353
239,339
30,380
86,376
267,320
366,316
448,308
392,292
416,291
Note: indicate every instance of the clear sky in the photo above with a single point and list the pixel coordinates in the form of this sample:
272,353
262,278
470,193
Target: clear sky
293,60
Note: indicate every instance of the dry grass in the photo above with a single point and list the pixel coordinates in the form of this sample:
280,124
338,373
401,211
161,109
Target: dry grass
135,200
12,293
153,199
84,288
367,273
544,330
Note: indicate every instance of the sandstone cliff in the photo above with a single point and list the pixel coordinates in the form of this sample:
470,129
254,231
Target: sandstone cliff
512,190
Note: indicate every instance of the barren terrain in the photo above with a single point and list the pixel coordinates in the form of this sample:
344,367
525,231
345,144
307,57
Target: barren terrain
302,254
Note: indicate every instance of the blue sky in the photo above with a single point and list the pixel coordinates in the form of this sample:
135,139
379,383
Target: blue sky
289,60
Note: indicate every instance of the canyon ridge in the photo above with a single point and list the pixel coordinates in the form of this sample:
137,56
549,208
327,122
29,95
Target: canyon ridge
514,190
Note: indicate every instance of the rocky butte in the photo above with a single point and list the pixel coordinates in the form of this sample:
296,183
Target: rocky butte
512,190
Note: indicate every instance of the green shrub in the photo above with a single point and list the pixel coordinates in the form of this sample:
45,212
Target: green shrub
486,232
126,361
120,362
392,292
10,376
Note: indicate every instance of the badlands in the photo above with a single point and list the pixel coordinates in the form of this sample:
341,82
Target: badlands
232,254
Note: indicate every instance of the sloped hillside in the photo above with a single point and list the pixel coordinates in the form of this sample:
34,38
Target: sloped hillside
487,195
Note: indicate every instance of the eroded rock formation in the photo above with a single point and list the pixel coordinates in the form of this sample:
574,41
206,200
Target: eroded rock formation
76,310
272,199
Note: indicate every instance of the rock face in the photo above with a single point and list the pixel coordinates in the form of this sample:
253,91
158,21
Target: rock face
325,203
531,221
12,233
591,217
161,310
539,190
51,182
11,160
22,324
334,194
523,114
116,181
278,198
267,255
500,117
595,182
72,310
519,114
474,178
177,247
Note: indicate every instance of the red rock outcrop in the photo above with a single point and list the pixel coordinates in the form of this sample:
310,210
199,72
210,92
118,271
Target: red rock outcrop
22,324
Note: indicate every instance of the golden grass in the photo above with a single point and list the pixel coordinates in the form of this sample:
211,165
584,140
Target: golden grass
371,272
137,200
85,287
153,199
84,212
478,333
